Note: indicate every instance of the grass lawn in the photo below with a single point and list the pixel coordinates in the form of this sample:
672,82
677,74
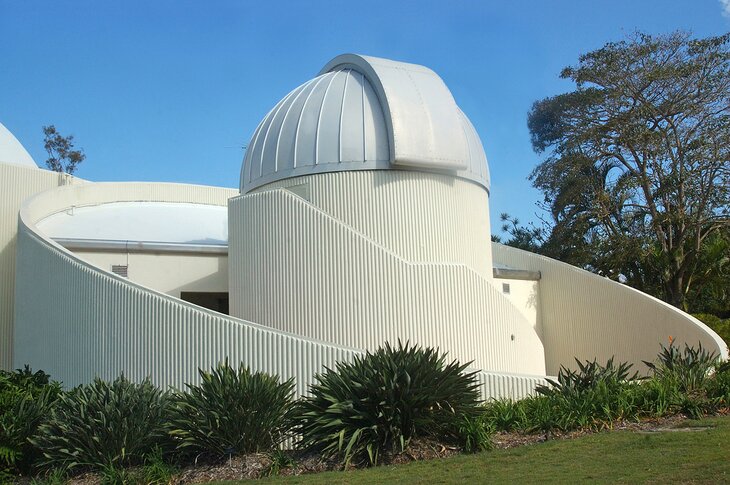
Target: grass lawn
615,457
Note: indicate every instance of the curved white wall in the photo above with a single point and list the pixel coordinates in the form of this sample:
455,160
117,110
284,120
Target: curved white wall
422,217
77,321
587,316
17,183
376,257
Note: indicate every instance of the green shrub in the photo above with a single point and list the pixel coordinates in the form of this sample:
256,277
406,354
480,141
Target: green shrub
382,400
104,425
593,396
543,413
689,368
590,375
505,414
719,385
656,397
25,399
232,412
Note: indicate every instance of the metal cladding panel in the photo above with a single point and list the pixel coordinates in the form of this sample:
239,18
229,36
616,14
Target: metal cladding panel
77,321
297,268
587,316
365,113
420,216
17,183
333,122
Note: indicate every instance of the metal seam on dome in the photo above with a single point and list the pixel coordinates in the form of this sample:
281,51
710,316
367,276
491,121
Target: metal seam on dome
252,147
342,115
319,119
268,130
301,90
258,135
362,109
301,113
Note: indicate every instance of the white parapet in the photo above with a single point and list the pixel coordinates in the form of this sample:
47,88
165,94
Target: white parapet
586,316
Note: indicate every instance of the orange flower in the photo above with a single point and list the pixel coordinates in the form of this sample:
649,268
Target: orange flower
671,340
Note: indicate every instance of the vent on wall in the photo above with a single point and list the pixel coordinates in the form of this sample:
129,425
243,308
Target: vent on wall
120,269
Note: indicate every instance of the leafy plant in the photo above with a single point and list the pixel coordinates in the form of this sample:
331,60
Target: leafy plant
232,411
589,375
505,414
380,401
689,368
55,476
156,470
104,425
279,461
475,433
592,396
25,399
719,386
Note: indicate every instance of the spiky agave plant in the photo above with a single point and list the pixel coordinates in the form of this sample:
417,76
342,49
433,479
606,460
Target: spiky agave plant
383,399
232,411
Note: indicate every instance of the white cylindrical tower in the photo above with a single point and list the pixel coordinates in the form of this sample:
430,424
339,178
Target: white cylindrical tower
364,218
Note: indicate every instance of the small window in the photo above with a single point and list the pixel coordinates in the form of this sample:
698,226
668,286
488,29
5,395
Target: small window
216,301
505,288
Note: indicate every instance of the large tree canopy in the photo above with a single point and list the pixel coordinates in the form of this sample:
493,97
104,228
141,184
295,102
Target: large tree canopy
636,167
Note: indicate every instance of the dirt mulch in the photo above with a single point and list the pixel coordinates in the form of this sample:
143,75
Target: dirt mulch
259,465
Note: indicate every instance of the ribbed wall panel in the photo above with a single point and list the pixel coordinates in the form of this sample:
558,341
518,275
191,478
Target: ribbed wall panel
421,217
588,316
17,183
77,321
297,268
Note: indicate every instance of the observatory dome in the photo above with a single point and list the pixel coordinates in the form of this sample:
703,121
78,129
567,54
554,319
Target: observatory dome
12,152
365,113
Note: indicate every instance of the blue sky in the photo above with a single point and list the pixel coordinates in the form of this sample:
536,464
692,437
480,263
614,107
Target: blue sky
172,90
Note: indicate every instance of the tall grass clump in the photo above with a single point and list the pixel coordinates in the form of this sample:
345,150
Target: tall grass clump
104,425
505,414
26,398
382,400
232,411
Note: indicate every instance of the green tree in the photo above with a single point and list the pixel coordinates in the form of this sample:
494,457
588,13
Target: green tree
636,167
61,155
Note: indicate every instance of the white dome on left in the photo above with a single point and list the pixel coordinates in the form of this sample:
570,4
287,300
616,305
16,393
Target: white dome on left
12,152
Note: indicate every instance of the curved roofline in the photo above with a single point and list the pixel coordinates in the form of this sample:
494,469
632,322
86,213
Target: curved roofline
12,151
422,118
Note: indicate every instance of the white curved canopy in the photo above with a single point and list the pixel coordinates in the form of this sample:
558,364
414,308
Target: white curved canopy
165,222
365,113
12,152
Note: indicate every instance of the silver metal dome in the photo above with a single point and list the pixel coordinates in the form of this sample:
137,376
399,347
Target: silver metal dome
364,113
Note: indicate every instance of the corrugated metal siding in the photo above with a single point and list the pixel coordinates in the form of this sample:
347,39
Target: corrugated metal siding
296,268
17,183
588,316
419,216
77,321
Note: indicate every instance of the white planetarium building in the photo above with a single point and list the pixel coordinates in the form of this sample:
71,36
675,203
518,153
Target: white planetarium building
362,218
